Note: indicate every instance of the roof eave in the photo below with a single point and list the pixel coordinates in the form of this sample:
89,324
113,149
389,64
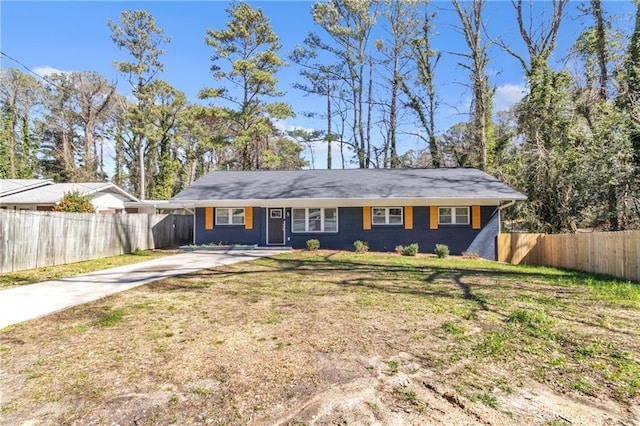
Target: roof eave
26,188
350,202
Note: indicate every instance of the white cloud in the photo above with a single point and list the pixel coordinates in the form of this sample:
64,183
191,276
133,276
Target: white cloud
47,70
508,95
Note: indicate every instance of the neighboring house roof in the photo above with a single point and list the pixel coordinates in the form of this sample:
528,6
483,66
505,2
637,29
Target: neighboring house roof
349,186
52,194
13,186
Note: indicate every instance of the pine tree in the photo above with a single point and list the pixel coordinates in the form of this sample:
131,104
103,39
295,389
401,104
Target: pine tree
246,57
138,34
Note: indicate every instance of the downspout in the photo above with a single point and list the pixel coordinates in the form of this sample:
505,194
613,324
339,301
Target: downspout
500,208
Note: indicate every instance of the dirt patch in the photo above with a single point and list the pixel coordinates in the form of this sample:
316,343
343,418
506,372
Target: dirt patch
331,338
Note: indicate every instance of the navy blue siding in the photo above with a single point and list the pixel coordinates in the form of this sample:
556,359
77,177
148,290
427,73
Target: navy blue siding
386,238
485,244
459,238
232,234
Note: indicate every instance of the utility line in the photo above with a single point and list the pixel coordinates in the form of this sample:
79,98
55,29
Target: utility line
60,88
30,70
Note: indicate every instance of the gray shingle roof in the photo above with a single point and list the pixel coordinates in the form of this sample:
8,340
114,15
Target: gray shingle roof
12,186
52,194
449,183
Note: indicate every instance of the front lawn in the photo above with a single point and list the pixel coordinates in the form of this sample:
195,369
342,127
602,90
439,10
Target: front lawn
336,338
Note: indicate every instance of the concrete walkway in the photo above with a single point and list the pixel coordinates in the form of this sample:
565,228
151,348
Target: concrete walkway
31,301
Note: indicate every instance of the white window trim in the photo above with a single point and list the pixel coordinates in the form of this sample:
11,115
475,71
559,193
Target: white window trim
230,216
306,220
386,216
453,215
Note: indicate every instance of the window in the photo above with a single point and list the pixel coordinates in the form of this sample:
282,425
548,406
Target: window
275,213
314,220
386,215
230,216
453,215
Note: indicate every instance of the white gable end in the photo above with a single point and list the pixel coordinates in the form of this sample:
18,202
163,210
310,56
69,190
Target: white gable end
106,201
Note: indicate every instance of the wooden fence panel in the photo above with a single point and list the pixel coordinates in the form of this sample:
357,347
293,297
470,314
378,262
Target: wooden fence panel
31,239
504,247
608,253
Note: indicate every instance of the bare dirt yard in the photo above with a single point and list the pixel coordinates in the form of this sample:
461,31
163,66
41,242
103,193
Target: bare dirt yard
335,338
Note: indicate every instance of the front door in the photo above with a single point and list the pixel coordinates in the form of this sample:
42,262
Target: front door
275,226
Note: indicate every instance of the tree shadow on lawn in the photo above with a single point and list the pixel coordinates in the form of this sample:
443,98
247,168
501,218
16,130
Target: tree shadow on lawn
456,282
519,277
430,273
384,276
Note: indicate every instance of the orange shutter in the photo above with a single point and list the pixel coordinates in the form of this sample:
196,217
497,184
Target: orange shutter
475,217
433,217
408,217
208,218
366,218
248,218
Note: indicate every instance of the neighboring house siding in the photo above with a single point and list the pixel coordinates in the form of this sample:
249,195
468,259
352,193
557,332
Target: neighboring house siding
107,202
459,238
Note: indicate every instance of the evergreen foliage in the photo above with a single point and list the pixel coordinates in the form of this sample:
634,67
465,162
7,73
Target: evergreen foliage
74,202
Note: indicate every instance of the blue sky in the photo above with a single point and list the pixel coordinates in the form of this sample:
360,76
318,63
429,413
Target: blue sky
73,35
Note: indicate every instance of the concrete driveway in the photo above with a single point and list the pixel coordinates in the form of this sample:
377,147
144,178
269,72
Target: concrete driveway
31,301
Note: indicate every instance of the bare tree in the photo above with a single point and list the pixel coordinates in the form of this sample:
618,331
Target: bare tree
95,100
540,40
421,93
601,50
477,59
402,26
322,80
348,23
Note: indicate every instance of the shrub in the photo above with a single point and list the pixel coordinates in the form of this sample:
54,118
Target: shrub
361,246
73,202
410,250
442,250
313,245
400,249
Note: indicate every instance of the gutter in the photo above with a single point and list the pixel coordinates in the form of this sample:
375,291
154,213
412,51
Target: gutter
500,208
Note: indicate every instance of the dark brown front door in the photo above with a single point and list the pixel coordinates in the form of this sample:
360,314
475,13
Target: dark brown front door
275,226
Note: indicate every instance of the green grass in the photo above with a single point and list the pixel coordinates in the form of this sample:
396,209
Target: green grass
453,329
393,367
487,399
533,321
112,318
407,395
31,276
494,344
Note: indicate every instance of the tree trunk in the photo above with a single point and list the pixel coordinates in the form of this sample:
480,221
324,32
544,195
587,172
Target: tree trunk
369,108
601,41
88,143
329,159
11,139
118,176
142,170
393,116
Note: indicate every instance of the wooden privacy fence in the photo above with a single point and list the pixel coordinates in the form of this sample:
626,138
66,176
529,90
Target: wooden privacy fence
609,253
30,239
